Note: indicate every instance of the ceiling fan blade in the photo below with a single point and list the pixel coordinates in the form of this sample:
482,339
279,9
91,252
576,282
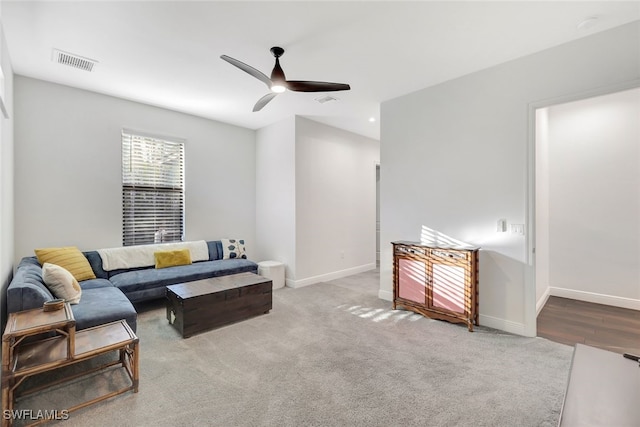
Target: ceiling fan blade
306,86
263,101
248,69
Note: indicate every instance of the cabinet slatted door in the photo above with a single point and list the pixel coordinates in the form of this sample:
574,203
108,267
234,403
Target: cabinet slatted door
437,282
413,277
448,287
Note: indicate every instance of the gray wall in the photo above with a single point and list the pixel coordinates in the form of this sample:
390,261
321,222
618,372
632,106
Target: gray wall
68,168
454,157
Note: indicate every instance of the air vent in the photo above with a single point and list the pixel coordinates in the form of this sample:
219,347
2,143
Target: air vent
327,98
73,60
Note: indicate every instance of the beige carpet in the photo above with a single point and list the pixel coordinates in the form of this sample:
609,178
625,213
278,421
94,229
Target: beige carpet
330,354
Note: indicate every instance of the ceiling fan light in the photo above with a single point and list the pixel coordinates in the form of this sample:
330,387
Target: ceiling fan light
278,88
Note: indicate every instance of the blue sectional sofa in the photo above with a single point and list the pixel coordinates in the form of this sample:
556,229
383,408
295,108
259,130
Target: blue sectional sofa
110,295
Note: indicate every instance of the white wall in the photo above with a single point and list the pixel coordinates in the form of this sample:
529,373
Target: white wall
6,180
594,199
275,194
68,168
335,202
454,158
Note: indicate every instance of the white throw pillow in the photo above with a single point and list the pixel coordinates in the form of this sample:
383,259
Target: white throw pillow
61,283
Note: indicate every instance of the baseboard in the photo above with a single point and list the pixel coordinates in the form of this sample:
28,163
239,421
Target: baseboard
488,321
502,324
329,276
385,295
621,302
543,300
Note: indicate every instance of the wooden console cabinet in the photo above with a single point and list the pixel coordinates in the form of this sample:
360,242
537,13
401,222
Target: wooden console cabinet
437,282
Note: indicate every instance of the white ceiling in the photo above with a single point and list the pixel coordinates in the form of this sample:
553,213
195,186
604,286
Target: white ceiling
168,53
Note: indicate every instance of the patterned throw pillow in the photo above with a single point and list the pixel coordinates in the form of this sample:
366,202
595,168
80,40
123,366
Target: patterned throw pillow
233,248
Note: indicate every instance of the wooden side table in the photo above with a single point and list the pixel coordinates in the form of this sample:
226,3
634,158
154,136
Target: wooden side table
30,323
24,359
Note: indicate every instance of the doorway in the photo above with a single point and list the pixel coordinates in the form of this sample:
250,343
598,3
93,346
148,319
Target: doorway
587,199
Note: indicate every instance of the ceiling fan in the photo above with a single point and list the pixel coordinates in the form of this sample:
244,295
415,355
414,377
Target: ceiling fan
278,82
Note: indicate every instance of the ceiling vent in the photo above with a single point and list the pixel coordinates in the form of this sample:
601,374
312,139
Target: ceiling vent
327,98
73,60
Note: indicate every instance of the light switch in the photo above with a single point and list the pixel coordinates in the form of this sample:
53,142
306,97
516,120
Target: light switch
502,226
517,229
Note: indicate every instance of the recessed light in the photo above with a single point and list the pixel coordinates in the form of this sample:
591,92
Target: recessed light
587,23
372,119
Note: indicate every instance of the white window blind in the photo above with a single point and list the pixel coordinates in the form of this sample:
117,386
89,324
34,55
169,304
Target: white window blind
152,190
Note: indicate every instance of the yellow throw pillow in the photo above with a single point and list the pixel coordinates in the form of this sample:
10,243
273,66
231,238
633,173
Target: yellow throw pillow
61,283
172,258
69,258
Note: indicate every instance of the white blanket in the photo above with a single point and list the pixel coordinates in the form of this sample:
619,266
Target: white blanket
142,255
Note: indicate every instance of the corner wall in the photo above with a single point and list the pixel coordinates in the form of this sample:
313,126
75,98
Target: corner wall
335,202
454,157
6,180
68,178
542,207
316,200
276,194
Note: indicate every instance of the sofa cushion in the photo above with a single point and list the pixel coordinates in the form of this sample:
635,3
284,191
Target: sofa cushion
68,257
215,249
96,283
61,283
138,280
96,264
103,305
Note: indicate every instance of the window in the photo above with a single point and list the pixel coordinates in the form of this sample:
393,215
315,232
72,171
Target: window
152,189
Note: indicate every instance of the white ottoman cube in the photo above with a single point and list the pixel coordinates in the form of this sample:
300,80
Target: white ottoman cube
273,270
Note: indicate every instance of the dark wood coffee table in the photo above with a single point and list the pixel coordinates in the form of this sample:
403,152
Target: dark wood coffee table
202,305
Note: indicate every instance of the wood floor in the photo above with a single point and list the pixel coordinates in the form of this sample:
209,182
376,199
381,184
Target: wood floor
569,322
